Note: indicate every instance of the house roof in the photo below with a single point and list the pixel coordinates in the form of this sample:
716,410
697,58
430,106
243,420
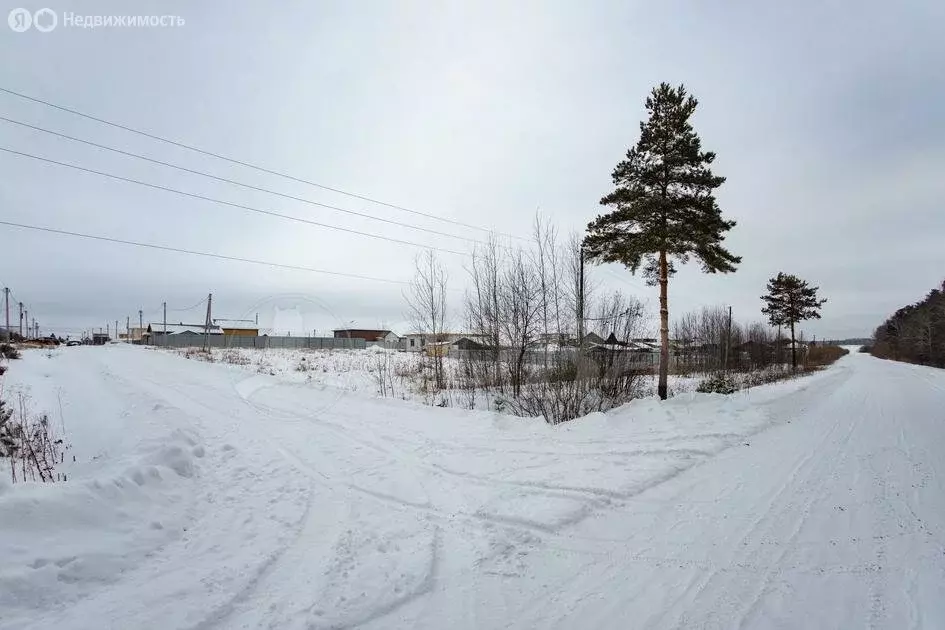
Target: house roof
176,329
452,335
465,342
368,334
377,330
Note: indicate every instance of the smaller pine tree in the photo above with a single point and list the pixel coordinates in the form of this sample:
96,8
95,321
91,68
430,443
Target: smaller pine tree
791,300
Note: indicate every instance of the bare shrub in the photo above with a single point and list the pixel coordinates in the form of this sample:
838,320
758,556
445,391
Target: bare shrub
384,374
234,357
524,306
9,351
198,354
823,355
29,443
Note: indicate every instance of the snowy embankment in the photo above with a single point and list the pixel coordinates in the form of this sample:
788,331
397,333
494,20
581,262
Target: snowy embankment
203,495
145,473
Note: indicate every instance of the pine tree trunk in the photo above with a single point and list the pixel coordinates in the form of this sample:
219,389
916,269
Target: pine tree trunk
793,350
664,327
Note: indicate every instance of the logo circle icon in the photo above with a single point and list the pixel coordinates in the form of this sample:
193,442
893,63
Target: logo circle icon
45,20
20,20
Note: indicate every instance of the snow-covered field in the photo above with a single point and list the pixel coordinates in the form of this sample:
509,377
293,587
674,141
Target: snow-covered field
386,373
212,496
350,370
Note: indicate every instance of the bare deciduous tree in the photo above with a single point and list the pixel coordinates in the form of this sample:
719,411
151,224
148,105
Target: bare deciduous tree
426,299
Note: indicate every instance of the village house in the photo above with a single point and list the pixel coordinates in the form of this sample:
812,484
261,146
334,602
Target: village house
371,336
155,332
446,348
232,331
418,342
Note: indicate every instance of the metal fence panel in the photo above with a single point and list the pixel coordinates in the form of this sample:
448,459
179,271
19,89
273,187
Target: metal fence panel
234,341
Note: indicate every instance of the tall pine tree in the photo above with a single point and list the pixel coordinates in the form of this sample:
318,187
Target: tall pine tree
790,300
663,205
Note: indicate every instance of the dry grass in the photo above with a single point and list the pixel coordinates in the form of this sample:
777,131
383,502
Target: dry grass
822,356
28,442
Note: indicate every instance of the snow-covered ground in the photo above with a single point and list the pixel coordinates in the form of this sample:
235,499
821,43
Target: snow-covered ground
350,370
204,496
386,373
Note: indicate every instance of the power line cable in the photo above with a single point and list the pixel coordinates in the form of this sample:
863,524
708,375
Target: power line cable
255,167
634,284
265,190
229,203
181,250
189,308
249,165
238,183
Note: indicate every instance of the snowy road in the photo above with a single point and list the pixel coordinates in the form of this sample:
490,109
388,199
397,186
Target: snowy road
203,497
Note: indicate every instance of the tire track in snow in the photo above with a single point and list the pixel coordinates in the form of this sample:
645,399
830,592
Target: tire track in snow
786,546
779,501
593,498
218,615
154,394
547,533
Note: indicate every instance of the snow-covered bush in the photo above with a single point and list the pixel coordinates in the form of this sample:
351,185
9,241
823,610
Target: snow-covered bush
718,384
9,351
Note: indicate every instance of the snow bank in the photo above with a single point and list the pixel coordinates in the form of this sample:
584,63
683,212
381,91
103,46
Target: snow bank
59,541
153,477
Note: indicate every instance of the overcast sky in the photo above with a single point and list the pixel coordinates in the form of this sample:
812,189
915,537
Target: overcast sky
827,118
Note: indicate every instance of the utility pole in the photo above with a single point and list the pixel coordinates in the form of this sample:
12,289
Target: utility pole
206,327
116,329
140,321
21,320
128,328
108,331
27,324
728,338
6,306
580,299
164,307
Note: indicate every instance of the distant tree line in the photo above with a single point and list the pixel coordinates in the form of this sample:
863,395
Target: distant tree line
915,333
